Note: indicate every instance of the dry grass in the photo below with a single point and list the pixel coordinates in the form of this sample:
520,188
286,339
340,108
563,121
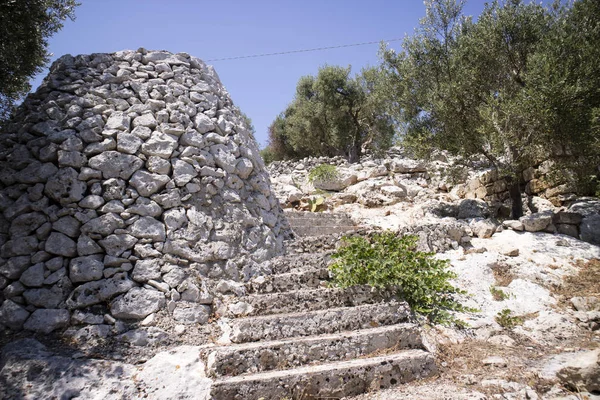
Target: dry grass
463,365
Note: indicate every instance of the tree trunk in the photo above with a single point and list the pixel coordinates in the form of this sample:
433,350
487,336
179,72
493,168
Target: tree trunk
514,190
354,152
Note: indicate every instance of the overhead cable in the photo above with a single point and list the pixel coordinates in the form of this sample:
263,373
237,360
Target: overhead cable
301,51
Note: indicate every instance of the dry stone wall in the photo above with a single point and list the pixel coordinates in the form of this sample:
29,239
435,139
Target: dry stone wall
129,183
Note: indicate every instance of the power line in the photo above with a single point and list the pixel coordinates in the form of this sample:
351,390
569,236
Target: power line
301,51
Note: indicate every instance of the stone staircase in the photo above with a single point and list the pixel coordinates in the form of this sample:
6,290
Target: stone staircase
306,223
300,339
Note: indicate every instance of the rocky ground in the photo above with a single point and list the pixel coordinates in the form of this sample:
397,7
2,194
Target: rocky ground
535,334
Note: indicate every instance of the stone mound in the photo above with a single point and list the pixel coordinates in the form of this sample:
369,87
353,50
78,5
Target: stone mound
129,183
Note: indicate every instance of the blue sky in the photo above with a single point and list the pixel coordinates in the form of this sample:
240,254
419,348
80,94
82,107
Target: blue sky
261,87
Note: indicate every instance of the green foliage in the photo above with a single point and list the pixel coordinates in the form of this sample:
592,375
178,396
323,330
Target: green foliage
333,114
509,87
386,260
267,155
25,26
498,294
507,320
323,172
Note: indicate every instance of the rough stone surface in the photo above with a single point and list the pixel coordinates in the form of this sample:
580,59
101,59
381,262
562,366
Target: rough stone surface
122,170
138,303
47,320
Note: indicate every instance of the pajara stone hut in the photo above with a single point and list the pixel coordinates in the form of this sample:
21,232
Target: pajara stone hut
129,184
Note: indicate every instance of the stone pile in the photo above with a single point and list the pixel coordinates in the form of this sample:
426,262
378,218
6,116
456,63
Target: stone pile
129,184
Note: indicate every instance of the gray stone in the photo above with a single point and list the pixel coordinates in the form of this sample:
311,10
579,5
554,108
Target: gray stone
119,121
203,123
148,227
183,172
19,247
15,266
145,208
92,201
115,245
116,165
513,224
144,337
589,303
87,246
137,304
46,321
60,244
192,138
146,270
55,276
473,208
537,221
590,228
407,166
158,165
191,313
567,229
582,372
85,269
65,187
128,143
146,120
104,225
33,276
13,315
114,189
160,145
36,173
147,183
244,168
95,292
67,225
73,159
25,224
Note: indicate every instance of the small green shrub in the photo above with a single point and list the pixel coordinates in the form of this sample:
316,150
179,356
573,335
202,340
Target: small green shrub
323,172
498,294
506,320
387,261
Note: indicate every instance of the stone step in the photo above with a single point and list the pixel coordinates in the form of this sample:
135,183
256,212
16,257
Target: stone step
292,353
307,300
298,262
304,279
329,381
320,221
323,230
334,320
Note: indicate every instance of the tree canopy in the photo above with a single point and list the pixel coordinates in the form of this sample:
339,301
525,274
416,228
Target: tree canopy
509,87
25,26
332,114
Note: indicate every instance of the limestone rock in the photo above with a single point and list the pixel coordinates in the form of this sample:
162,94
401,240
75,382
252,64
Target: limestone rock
536,222
13,315
60,244
116,165
473,208
65,187
47,320
147,183
85,269
137,304
191,313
